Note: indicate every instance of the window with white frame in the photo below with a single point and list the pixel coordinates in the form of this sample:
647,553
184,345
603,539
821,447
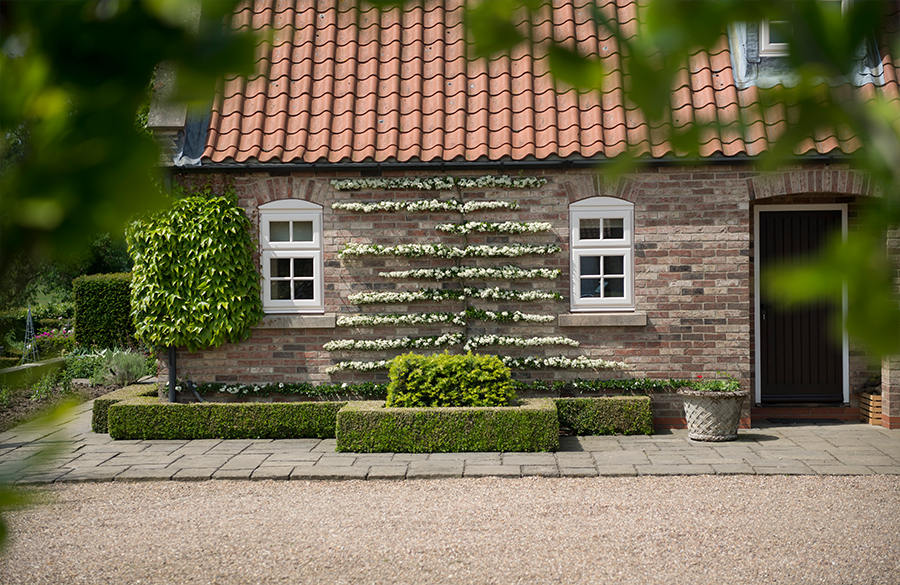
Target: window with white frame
774,34
290,235
601,253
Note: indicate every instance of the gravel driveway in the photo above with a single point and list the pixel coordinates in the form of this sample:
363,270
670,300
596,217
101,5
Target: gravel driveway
701,529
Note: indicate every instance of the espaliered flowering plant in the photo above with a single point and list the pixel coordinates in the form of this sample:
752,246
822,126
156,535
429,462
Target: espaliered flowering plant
443,251
728,384
422,205
439,294
398,343
506,227
581,363
477,341
459,319
437,183
475,273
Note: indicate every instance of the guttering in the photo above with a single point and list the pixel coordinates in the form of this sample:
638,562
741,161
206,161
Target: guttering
503,165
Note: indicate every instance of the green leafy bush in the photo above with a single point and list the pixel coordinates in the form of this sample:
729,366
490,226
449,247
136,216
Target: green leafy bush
148,418
54,343
195,283
367,390
726,384
44,316
119,367
83,365
449,380
103,310
606,415
368,427
100,411
638,385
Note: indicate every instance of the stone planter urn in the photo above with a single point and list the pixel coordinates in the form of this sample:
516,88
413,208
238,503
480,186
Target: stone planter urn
712,416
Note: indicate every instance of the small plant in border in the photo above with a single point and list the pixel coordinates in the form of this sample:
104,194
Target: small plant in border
729,384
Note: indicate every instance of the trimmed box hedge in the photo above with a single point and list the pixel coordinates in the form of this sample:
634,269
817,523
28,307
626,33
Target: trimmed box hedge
149,418
606,415
102,404
369,427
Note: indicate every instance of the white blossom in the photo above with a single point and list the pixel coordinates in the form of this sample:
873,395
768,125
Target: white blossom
562,362
506,227
436,294
458,319
474,272
443,251
437,183
359,366
511,341
399,343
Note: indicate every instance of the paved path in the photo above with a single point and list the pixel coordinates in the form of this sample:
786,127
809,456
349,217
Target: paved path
77,454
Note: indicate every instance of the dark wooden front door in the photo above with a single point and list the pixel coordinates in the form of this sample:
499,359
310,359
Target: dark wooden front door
800,356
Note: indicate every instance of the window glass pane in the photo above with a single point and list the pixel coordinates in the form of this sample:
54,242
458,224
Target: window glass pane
303,231
281,268
614,265
780,31
280,231
589,229
281,290
303,267
303,289
613,287
590,287
590,265
613,228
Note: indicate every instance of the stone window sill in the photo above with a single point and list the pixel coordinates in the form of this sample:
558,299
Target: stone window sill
603,320
326,321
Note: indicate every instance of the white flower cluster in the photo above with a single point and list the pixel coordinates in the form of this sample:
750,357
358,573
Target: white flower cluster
359,366
506,227
459,319
501,181
423,183
473,272
474,343
399,343
436,294
442,251
579,363
396,319
437,183
422,205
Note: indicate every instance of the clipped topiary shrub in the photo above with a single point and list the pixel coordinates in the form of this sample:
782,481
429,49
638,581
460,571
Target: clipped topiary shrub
368,427
148,418
449,380
101,405
103,310
606,415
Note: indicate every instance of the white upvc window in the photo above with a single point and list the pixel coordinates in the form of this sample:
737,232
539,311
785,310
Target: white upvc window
774,34
602,254
290,235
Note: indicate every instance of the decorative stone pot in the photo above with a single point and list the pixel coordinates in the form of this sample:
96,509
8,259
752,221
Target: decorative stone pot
712,416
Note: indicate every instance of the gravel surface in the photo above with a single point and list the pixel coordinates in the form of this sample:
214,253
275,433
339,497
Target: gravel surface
703,529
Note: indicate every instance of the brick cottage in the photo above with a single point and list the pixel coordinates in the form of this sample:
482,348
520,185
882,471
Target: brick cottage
404,197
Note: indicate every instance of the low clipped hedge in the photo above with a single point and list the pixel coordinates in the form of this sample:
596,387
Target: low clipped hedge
449,380
369,427
606,415
101,405
148,418
103,310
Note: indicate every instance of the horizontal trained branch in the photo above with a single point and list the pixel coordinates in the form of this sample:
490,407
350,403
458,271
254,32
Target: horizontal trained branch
442,251
506,227
474,272
459,319
437,183
437,294
422,205
579,363
474,343
398,343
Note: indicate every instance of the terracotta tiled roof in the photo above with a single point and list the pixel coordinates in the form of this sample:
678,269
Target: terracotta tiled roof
339,85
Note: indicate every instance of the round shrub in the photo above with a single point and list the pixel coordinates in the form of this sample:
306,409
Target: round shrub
449,380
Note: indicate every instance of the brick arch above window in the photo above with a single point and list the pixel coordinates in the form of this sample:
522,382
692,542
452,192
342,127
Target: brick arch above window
802,181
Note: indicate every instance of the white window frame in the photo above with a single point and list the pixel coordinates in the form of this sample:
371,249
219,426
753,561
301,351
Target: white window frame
770,49
601,208
291,210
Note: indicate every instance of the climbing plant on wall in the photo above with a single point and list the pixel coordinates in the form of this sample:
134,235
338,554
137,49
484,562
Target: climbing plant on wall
458,274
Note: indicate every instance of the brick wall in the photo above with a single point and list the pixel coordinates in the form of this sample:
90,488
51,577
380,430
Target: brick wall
693,273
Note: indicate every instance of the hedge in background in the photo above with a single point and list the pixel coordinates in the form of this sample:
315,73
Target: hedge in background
103,310
195,282
369,427
606,415
148,418
101,405
449,380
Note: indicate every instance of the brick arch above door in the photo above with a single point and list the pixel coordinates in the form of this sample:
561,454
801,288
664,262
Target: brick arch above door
805,181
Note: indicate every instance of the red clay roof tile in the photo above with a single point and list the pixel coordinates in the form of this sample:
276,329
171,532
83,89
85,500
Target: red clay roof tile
339,83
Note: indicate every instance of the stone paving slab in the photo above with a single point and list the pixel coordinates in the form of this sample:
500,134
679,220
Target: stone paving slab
845,449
